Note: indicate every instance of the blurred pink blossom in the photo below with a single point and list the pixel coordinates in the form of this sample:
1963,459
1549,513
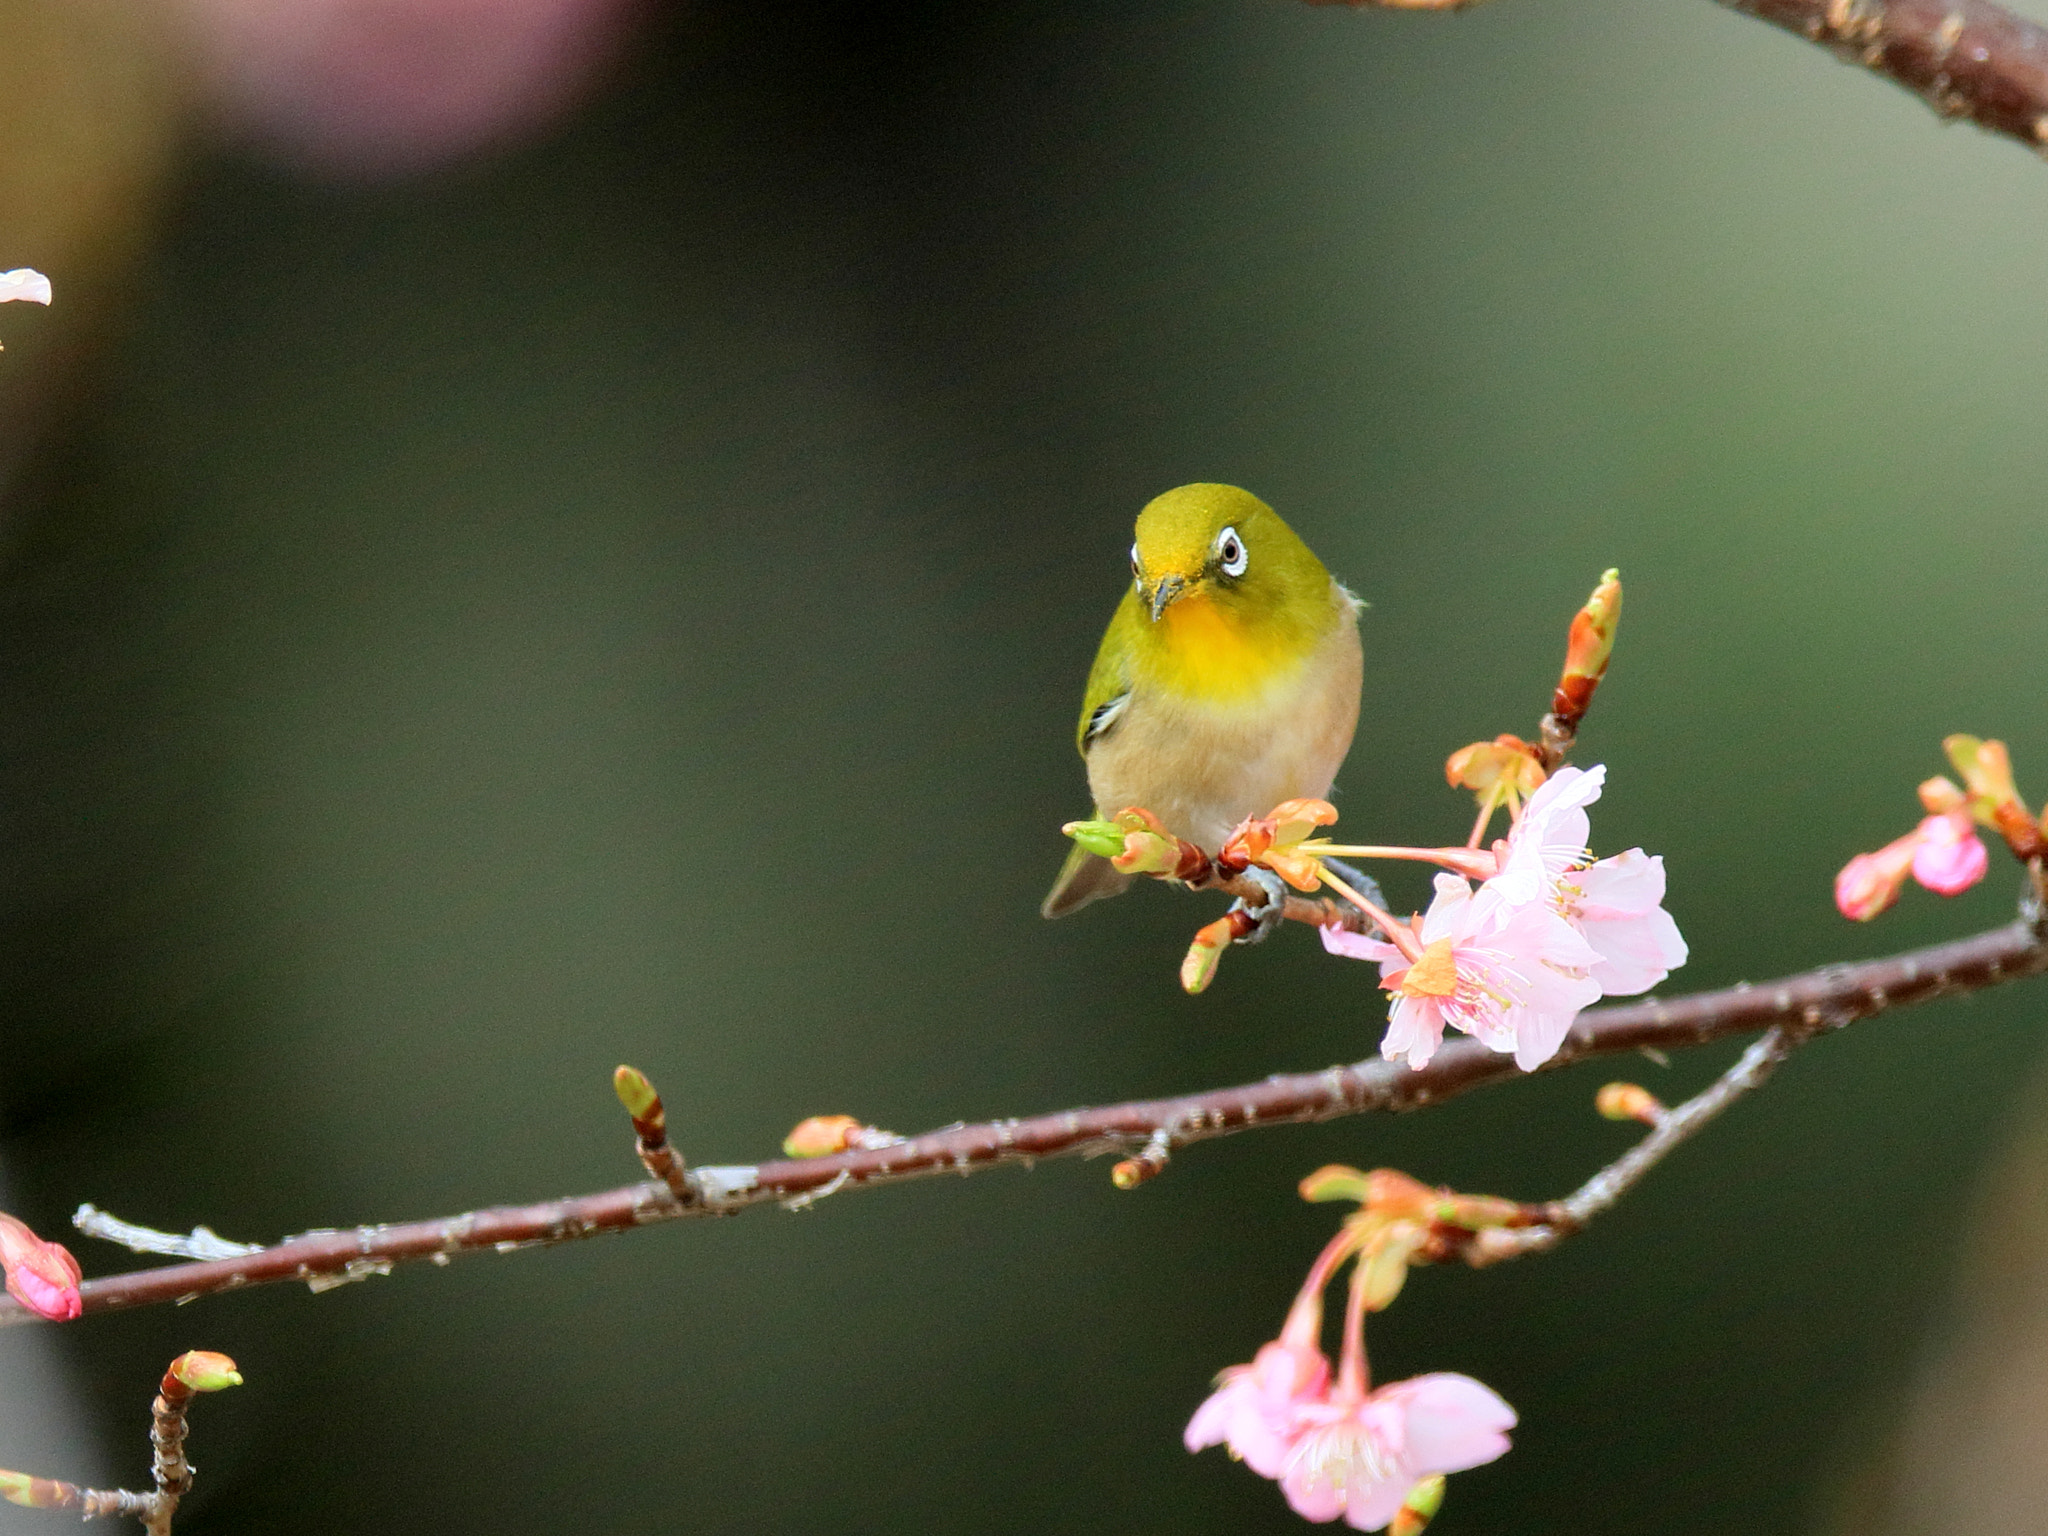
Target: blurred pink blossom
1254,1409
381,86
1943,853
1950,857
41,1275
24,283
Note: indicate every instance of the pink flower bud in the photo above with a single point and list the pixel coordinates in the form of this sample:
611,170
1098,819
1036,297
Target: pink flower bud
1871,882
1949,857
42,1276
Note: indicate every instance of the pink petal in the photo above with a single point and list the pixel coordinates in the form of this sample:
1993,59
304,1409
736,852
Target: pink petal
1357,946
1950,857
1212,1421
1626,885
1453,1422
58,1301
1635,952
1415,1028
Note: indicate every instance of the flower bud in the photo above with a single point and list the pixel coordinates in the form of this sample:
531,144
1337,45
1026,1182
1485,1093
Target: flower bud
1627,1101
1100,837
1419,1508
1592,637
204,1371
41,1275
37,1492
1198,966
821,1136
639,1097
1871,882
1986,768
1948,856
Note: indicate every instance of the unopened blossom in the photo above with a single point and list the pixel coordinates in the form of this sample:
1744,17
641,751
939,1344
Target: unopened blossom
1358,1457
41,1275
1950,857
1943,853
24,283
1512,974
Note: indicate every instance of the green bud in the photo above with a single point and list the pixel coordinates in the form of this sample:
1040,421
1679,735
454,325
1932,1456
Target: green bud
1103,837
204,1371
637,1094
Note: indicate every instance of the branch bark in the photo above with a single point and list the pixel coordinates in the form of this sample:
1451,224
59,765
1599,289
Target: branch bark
1818,1000
1964,58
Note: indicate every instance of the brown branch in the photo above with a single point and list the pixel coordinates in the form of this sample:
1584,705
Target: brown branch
1965,58
1551,1223
1817,1000
191,1373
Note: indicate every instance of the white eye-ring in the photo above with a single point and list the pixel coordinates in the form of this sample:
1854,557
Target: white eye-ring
1230,555
1137,571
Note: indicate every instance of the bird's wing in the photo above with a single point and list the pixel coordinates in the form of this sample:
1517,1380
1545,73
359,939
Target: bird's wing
1109,680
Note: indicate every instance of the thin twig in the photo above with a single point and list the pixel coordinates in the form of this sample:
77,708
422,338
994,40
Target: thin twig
1964,58
1561,1218
1827,998
191,1373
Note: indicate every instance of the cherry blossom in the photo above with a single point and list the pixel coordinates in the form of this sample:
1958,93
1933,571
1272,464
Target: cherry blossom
41,1275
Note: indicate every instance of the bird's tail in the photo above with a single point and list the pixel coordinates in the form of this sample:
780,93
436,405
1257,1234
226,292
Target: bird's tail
1084,877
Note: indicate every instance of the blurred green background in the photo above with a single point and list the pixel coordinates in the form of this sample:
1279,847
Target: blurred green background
627,601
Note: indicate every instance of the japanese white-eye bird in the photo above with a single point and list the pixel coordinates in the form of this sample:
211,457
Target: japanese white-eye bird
1226,683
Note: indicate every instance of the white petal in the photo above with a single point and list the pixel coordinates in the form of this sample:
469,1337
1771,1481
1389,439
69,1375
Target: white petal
24,283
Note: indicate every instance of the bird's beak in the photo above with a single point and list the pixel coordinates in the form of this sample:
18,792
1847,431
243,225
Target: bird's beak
1164,591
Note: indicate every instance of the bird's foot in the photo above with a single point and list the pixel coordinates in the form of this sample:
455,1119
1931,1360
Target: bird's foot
1268,914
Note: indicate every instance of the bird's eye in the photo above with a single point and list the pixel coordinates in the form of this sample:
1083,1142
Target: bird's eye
1230,555
1136,569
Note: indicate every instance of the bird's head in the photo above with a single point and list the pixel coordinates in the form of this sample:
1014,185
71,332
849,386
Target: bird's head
1221,554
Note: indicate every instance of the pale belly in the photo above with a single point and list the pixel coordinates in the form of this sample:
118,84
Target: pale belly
1201,769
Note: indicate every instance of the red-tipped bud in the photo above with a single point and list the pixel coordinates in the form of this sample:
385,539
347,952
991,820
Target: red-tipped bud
1133,1171
1871,882
1592,637
1629,1101
821,1136
205,1371
1205,953
41,1275
639,1097
1419,1508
